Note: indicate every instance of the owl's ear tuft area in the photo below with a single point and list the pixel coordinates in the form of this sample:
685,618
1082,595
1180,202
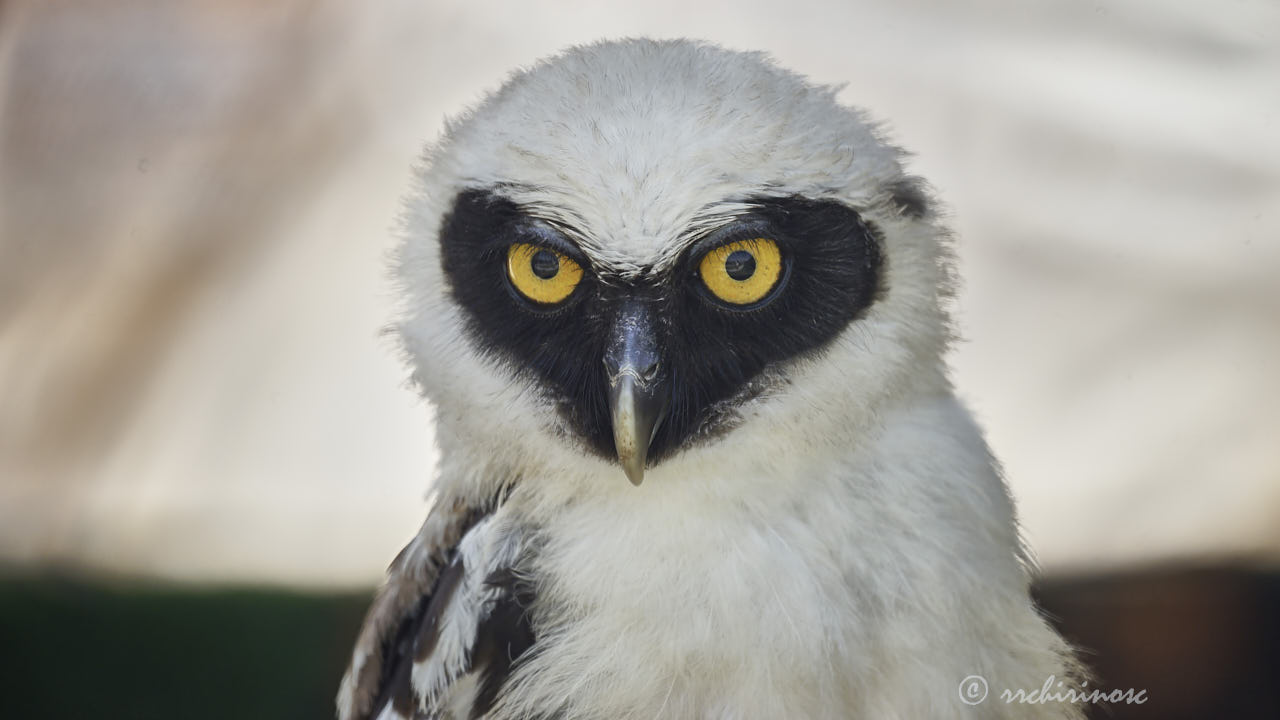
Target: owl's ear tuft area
909,197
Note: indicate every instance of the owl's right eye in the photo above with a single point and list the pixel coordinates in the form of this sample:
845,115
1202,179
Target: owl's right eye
542,275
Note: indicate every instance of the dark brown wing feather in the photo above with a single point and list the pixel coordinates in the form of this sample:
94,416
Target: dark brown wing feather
398,611
414,640
402,627
502,638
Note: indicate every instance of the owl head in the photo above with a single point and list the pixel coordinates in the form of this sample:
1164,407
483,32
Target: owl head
665,259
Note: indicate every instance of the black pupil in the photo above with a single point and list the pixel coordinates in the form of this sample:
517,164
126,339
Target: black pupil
545,264
740,265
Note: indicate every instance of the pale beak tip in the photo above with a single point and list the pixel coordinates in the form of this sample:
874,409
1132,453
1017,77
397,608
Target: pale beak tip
635,472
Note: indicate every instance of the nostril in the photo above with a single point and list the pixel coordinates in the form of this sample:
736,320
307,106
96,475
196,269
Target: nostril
611,366
649,372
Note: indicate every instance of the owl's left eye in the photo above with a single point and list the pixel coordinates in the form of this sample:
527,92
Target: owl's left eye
743,272
541,274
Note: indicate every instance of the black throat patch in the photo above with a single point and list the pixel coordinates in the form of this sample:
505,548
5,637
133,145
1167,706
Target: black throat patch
716,355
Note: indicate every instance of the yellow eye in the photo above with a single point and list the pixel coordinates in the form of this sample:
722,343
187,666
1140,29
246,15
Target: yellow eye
742,272
542,274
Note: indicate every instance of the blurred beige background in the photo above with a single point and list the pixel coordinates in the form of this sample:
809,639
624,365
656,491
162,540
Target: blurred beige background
196,198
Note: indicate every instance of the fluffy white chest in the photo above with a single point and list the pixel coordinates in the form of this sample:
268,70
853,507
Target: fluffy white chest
662,602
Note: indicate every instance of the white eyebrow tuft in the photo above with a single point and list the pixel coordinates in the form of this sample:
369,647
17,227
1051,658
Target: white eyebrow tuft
575,226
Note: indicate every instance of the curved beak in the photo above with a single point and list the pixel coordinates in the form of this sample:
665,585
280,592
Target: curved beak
639,391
